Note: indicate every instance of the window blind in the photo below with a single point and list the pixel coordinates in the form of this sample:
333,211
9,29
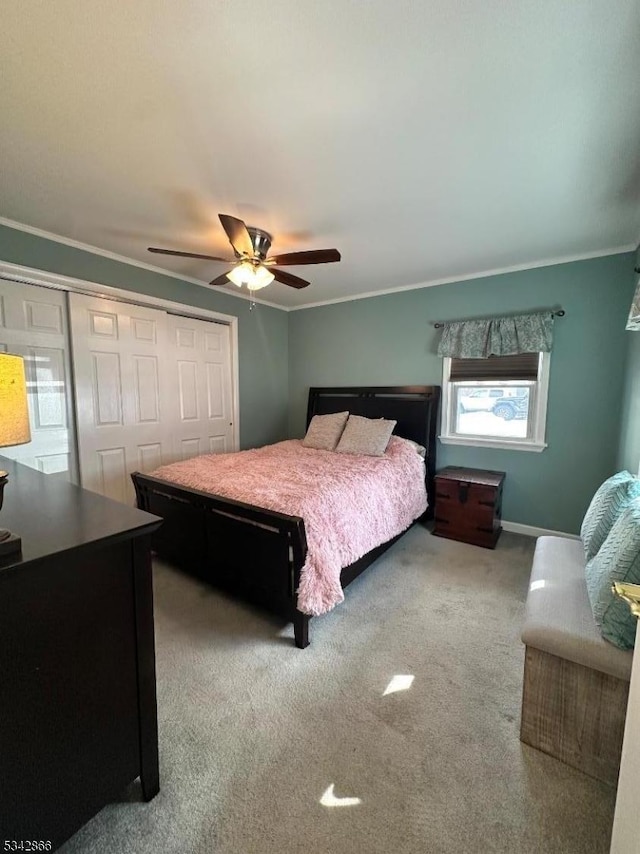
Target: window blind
523,366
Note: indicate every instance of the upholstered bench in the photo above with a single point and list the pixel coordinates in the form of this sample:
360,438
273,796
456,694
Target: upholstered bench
576,684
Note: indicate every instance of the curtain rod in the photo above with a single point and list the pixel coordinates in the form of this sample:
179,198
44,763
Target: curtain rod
560,313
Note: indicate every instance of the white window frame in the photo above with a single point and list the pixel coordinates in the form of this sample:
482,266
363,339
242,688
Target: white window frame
536,440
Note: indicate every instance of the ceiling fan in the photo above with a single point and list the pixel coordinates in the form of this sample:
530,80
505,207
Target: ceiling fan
252,267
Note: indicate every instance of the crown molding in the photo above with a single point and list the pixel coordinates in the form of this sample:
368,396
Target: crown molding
430,283
499,271
123,259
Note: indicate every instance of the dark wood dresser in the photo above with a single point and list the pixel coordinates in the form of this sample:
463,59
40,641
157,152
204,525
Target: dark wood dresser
78,718
469,505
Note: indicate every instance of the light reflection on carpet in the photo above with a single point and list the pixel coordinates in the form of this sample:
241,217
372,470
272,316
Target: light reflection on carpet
400,682
328,799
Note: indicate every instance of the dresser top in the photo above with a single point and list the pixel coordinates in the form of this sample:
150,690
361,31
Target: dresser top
483,477
53,516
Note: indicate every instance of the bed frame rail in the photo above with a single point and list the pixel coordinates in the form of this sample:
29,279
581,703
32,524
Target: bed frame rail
250,552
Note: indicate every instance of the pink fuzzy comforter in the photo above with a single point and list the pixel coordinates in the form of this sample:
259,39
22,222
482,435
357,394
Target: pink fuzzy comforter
350,503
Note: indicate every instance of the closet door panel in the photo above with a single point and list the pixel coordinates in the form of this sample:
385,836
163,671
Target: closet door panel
190,448
112,474
215,391
151,388
106,389
43,317
146,389
33,324
149,457
200,369
122,396
188,390
48,376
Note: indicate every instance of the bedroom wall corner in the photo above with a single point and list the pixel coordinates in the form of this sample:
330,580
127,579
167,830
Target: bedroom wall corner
629,444
263,334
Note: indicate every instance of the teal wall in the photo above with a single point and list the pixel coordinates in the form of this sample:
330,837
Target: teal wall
629,450
262,333
594,405
389,340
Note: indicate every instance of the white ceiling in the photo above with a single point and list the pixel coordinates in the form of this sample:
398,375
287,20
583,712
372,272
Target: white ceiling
424,139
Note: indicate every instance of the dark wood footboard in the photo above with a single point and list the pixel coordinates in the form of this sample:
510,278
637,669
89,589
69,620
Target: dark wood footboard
253,553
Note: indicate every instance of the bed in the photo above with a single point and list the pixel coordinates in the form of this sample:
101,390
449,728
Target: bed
258,554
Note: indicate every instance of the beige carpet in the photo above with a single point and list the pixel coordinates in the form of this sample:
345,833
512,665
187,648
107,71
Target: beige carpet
253,732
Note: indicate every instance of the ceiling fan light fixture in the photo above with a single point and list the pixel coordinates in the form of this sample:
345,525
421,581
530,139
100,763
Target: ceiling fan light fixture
254,277
252,265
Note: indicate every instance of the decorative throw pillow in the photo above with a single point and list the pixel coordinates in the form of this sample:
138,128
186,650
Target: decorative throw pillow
617,560
325,430
606,505
366,436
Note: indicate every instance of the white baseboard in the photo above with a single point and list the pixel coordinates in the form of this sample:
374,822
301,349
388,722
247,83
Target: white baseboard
531,531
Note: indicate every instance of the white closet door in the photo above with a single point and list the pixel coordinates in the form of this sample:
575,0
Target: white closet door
33,324
121,398
200,371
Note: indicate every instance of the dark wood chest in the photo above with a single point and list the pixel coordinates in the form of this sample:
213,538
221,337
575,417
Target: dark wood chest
469,505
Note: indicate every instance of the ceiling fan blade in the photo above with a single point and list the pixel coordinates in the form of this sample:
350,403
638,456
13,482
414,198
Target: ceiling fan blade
237,233
313,256
221,280
188,254
289,279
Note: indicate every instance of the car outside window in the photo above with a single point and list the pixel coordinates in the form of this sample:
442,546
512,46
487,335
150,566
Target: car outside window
507,413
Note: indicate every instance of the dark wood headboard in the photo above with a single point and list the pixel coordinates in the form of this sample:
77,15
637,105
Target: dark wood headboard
414,407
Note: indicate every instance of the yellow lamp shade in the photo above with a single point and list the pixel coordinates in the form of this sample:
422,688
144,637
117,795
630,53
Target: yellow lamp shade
14,411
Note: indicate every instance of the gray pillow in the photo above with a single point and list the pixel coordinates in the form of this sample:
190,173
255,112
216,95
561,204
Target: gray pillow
325,430
366,436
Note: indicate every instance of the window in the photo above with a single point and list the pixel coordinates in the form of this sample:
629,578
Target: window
499,402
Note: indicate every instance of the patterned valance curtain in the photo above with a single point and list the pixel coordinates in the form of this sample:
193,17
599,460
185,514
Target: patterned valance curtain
633,323
498,336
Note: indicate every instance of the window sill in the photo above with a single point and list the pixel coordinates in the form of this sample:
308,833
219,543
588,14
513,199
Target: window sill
502,444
